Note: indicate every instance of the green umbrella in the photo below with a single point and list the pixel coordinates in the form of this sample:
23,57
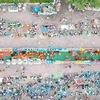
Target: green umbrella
47,4
58,75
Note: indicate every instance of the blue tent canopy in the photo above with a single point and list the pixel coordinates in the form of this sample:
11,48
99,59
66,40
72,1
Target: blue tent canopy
44,29
36,9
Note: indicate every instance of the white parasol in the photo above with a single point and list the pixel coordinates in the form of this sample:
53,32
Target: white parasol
25,62
19,61
1,62
8,62
14,62
30,61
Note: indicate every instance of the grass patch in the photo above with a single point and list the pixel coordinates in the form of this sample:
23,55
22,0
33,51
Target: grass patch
12,1
24,1
82,3
40,1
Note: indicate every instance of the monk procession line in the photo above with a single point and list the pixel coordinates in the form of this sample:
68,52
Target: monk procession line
50,55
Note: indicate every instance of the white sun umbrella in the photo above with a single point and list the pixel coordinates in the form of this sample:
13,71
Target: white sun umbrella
30,61
1,62
14,61
8,62
19,61
25,62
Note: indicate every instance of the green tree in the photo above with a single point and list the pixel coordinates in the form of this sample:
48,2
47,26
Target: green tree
81,3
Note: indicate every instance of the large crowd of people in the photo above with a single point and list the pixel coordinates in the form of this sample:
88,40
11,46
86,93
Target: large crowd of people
56,86
17,29
81,85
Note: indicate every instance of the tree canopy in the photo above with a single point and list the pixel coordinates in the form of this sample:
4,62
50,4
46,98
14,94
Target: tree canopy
81,4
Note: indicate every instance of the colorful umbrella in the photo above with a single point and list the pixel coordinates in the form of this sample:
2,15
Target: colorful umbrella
25,62
8,62
14,62
19,61
30,62
36,9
